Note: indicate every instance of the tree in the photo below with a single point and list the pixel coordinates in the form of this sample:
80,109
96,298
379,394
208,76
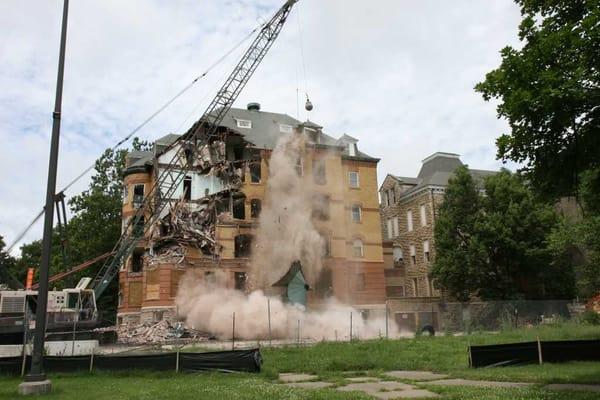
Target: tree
549,91
7,264
459,254
494,245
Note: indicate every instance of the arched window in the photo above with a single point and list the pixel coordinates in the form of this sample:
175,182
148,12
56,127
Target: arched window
357,248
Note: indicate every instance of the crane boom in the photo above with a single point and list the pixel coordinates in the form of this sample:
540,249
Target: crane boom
171,176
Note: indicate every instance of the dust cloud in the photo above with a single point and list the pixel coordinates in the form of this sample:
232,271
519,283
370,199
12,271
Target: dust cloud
286,234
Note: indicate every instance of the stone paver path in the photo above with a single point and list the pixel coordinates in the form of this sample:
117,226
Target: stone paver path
573,386
482,384
415,375
310,385
361,379
374,387
289,378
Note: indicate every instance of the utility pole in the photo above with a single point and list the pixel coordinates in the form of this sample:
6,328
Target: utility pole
36,381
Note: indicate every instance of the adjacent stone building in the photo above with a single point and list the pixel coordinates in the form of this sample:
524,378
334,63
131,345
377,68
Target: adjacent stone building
408,213
216,210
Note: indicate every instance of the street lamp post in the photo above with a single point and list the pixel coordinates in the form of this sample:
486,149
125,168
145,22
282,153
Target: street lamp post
36,381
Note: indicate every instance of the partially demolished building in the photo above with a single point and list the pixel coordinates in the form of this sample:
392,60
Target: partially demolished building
214,214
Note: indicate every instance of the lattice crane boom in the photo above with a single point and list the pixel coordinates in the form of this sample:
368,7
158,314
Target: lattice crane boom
171,176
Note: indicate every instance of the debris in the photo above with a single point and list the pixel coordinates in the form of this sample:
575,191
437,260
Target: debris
154,333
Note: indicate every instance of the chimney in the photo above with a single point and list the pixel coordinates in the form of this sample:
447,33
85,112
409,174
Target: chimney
253,106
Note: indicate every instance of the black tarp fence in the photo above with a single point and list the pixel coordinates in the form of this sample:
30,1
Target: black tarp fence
226,361
533,352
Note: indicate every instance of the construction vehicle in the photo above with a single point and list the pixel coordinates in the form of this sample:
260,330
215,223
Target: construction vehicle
153,206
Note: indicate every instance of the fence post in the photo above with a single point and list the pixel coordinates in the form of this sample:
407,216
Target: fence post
233,333
387,331
539,347
92,359
269,314
177,360
298,333
350,325
470,354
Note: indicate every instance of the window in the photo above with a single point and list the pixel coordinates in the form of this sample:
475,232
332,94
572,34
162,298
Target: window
300,166
415,286
239,208
395,226
187,188
353,179
319,174
398,257
356,213
409,220
357,248
137,263
394,291
352,149
391,197
360,282
243,246
384,199
255,208
423,215
240,281
320,207
138,195
125,193
244,124
390,232
413,255
210,277
138,226
255,172
326,246
285,128
426,251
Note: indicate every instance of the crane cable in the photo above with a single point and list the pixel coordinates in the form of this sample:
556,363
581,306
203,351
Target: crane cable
139,127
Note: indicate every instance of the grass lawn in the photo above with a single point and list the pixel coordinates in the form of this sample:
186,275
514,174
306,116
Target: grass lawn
330,360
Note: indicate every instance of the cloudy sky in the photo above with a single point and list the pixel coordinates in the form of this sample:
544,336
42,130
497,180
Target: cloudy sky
396,74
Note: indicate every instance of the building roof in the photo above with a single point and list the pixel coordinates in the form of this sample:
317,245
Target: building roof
437,169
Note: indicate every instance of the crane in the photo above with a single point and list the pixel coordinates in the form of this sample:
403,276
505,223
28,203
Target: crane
171,176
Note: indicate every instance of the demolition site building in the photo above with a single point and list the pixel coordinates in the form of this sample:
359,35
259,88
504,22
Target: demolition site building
214,214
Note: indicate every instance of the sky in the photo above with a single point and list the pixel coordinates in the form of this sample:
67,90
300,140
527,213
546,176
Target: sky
396,74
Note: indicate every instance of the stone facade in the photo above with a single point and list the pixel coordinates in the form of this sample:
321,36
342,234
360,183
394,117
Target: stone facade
408,208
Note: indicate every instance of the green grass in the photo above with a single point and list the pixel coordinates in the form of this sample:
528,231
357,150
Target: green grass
332,361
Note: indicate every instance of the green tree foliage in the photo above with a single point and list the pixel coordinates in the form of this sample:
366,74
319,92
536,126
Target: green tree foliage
577,241
7,266
549,91
494,245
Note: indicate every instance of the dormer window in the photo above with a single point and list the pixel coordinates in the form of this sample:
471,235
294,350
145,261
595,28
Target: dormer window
352,149
285,128
244,124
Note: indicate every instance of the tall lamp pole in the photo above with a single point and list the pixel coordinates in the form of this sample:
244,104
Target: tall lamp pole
35,380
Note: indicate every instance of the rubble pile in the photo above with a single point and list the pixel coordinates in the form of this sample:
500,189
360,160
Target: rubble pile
155,333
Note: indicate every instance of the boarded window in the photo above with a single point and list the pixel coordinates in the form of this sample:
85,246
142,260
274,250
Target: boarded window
326,246
255,208
135,294
396,227
423,215
240,281
153,277
176,275
319,173
243,245
426,251
255,172
390,232
413,255
409,220
398,256
187,188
